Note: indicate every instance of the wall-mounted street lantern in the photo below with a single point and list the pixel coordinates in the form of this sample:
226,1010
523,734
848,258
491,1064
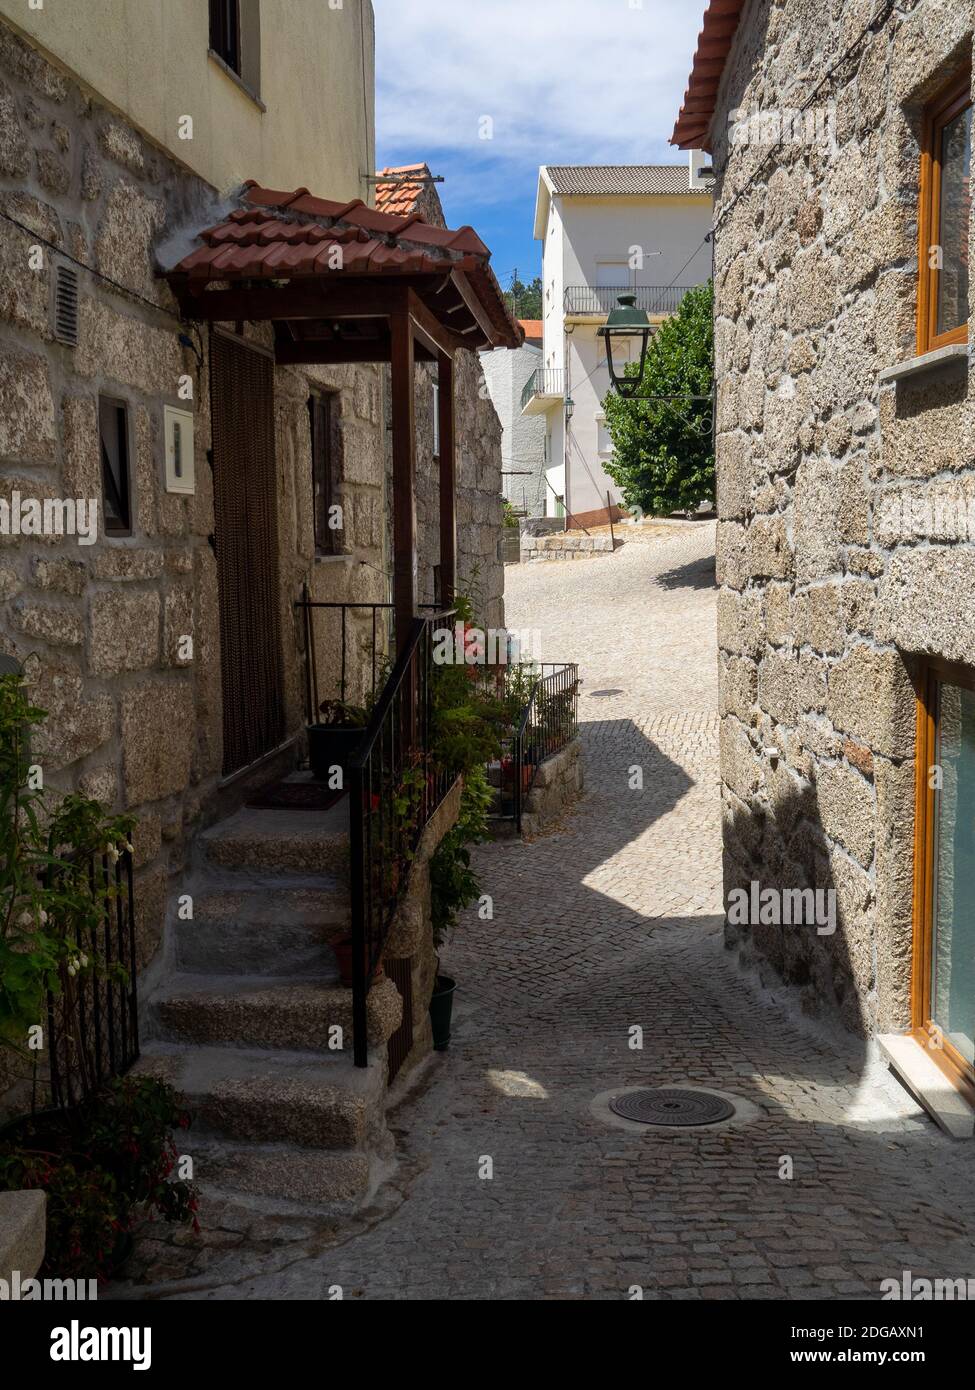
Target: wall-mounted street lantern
626,321
570,406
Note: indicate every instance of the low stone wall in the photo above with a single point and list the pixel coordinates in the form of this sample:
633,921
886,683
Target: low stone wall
558,783
564,547
22,1234
411,935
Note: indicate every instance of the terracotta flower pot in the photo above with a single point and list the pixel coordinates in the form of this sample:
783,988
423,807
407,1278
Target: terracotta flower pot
344,959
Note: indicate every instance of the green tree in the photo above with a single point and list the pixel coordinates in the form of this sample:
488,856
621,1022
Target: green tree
663,451
525,301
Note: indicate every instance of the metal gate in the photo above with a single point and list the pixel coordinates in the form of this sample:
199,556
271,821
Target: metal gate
246,544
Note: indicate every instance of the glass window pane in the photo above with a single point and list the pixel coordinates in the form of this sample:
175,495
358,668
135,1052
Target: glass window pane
956,203
953,966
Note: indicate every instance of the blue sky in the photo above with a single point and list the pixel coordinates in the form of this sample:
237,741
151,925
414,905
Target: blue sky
562,81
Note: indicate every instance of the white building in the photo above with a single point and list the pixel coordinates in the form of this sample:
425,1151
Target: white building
507,374
605,230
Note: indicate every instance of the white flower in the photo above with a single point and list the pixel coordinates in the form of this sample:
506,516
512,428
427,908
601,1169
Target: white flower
43,916
83,959
25,919
130,846
72,971
113,854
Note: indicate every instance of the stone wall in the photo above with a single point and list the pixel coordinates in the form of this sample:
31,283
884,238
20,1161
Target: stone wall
132,721
564,547
558,784
826,602
411,935
477,429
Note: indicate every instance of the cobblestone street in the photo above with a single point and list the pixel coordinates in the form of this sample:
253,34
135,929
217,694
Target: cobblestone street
610,922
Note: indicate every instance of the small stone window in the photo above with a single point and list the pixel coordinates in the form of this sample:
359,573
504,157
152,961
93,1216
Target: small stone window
113,428
945,212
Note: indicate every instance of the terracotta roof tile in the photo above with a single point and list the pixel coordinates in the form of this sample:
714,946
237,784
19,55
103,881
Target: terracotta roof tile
289,233
715,41
399,196
532,327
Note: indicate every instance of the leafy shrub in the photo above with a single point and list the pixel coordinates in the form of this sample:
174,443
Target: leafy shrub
663,451
102,1168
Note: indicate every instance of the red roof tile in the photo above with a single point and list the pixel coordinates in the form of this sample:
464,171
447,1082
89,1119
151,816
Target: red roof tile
532,327
400,196
290,234
715,41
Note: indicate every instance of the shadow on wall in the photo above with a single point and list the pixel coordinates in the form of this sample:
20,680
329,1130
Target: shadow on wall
853,959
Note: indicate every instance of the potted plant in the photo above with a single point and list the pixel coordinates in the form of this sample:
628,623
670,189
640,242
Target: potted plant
332,742
441,1009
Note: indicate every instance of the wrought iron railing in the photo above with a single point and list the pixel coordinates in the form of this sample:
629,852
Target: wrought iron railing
338,626
548,722
544,381
600,299
93,1021
394,789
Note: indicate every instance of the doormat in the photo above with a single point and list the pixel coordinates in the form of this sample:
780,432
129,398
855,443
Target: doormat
295,796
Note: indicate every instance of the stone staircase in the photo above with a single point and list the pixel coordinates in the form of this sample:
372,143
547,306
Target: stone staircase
251,1024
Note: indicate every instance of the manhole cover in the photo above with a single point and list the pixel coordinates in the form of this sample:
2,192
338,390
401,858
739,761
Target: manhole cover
667,1105
599,694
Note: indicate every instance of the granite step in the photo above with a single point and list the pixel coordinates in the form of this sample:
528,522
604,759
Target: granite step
255,930
268,1098
263,842
282,1172
250,1011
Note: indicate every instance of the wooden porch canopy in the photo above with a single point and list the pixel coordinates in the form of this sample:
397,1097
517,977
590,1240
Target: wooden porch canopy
342,282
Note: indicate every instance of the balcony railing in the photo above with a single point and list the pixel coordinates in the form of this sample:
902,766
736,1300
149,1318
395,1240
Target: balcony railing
600,300
544,381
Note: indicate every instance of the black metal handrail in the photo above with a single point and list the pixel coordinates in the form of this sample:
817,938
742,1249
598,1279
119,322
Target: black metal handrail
601,299
394,789
548,722
93,1023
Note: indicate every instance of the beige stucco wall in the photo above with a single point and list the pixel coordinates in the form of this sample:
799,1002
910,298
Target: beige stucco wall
149,60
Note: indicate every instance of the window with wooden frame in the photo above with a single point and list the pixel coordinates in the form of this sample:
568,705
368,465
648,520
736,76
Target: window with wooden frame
323,473
945,213
113,430
943,985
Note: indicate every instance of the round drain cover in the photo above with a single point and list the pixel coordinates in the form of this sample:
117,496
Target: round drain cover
600,694
668,1105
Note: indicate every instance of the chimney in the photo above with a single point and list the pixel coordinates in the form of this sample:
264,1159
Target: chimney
700,171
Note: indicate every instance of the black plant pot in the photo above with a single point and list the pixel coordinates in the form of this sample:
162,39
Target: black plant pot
441,1007
330,747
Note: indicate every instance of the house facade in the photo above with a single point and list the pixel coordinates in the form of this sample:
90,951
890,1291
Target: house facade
845,485
605,231
220,365
507,375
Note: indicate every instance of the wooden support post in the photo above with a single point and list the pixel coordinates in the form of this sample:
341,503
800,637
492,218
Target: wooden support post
448,482
404,477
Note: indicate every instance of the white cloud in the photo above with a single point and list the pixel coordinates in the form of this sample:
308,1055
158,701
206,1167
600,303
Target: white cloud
576,81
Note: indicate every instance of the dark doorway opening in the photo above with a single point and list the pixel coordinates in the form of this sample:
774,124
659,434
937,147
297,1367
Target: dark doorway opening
246,543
